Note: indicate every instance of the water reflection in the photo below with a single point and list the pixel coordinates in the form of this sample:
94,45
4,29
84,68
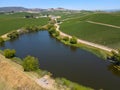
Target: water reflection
114,69
73,48
2,44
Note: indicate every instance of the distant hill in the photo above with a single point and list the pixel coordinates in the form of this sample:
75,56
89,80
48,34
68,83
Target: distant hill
22,9
15,9
113,10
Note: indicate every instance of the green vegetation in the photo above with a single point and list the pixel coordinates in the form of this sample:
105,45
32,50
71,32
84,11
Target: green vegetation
9,53
13,35
17,20
73,40
17,60
71,85
1,41
54,32
66,38
116,56
30,63
99,34
108,18
32,28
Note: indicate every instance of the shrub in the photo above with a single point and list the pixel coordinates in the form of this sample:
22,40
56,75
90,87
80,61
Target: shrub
66,38
57,33
116,56
9,53
1,40
52,30
30,63
49,26
32,28
73,40
13,35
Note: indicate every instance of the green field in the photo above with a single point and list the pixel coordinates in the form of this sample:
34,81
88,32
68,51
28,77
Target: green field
109,18
100,34
17,20
67,14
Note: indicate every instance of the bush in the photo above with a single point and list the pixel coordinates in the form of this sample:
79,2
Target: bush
32,28
116,56
13,35
49,26
52,30
1,40
57,33
66,38
73,40
9,53
30,63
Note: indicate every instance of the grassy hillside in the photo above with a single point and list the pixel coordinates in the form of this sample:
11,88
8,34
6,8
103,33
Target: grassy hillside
17,20
100,34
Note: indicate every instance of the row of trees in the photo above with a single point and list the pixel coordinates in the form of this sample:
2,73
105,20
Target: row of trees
15,34
32,28
56,33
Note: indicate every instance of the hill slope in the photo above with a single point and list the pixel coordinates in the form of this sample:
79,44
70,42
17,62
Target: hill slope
14,78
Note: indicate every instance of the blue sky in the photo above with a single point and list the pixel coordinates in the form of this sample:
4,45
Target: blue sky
70,4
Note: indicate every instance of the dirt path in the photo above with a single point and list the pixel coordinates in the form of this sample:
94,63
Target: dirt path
86,42
4,36
109,25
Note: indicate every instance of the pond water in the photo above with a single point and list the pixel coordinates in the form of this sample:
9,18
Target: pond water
71,63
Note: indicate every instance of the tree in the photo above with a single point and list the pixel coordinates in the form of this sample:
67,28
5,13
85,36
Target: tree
13,35
1,41
116,56
66,38
73,40
57,33
9,53
52,30
30,63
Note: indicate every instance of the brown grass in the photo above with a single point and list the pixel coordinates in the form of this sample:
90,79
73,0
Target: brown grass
14,77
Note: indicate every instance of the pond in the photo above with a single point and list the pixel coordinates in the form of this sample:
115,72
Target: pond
72,63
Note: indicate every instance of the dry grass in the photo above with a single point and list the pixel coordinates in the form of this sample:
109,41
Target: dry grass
4,85
14,77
